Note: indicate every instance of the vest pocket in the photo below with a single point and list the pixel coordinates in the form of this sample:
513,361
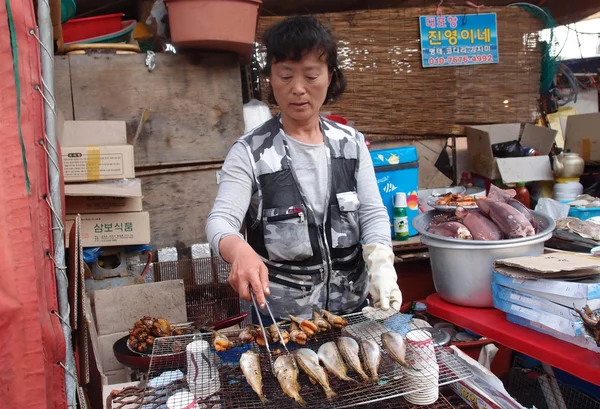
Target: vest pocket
286,233
345,229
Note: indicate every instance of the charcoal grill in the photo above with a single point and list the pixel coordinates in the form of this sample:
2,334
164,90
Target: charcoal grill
236,393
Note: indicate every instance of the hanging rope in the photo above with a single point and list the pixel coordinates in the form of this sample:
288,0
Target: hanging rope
15,53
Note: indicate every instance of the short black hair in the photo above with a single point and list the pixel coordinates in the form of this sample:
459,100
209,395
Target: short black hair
293,37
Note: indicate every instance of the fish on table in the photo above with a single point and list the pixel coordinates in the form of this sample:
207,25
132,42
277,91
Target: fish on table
287,376
250,365
371,355
308,361
349,350
329,355
395,346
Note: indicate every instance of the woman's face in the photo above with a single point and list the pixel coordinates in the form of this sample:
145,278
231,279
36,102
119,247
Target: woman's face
300,87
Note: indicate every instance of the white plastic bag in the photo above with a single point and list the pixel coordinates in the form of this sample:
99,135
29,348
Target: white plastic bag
255,113
552,208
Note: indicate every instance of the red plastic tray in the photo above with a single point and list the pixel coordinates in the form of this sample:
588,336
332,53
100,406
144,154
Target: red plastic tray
492,323
88,27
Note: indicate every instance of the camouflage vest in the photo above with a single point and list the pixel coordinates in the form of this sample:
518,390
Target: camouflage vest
309,263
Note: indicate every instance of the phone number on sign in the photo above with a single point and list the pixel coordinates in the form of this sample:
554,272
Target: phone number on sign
460,59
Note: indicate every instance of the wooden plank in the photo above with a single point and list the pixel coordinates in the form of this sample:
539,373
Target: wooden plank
62,86
194,99
179,203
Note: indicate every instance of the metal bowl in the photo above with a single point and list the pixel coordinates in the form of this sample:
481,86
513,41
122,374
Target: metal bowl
463,269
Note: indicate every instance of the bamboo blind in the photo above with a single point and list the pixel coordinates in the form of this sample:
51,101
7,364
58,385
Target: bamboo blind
390,96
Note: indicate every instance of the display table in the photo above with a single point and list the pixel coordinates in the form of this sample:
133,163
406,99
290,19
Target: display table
492,323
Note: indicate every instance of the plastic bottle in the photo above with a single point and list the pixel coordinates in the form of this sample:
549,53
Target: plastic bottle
400,217
465,180
523,195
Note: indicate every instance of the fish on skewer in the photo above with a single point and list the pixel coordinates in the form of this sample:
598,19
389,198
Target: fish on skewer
308,361
349,350
250,365
296,334
329,355
335,320
371,356
307,326
395,346
321,322
287,376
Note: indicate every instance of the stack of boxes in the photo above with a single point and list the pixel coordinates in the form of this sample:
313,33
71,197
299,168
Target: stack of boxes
100,184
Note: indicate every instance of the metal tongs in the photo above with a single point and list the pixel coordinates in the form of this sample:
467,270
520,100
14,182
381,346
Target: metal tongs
264,332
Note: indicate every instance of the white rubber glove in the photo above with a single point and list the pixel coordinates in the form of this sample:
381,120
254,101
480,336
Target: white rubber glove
382,276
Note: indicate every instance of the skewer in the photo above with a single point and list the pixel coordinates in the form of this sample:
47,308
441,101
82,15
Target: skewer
262,327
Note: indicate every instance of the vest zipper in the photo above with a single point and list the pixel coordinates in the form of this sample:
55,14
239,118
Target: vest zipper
282,217
304,288
326,258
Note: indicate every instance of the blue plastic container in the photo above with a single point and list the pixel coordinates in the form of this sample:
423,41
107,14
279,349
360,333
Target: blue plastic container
584,213
397,170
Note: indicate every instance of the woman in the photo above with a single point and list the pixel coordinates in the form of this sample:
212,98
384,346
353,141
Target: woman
306,189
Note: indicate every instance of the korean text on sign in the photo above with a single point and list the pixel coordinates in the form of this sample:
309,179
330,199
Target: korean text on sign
459,40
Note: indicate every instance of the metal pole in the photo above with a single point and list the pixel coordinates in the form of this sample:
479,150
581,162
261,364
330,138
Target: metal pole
47,58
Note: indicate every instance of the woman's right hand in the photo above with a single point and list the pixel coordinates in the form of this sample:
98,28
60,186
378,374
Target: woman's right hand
247,269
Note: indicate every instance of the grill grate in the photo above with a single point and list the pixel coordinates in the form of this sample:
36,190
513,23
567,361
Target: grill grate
235,392
208,296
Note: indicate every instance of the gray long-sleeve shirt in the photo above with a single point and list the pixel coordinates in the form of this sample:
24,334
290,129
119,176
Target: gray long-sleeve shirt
237,184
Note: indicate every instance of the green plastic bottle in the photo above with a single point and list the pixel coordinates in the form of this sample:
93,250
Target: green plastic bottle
400,217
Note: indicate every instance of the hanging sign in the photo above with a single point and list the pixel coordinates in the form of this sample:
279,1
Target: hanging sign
465,39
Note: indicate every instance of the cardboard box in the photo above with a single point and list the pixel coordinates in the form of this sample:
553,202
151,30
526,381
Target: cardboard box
102,204
582,136
112,229
92,163
117,309
512,170
94,133
105,346
113,188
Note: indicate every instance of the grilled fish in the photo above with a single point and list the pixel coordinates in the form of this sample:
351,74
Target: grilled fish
395,346
371,357
349,350
335,320
250,365
287,375
308,361
330,357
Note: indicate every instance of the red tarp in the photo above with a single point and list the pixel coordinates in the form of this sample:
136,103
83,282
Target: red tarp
31,338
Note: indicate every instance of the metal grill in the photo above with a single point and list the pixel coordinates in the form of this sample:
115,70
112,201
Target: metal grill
533,386
208,296
235,392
